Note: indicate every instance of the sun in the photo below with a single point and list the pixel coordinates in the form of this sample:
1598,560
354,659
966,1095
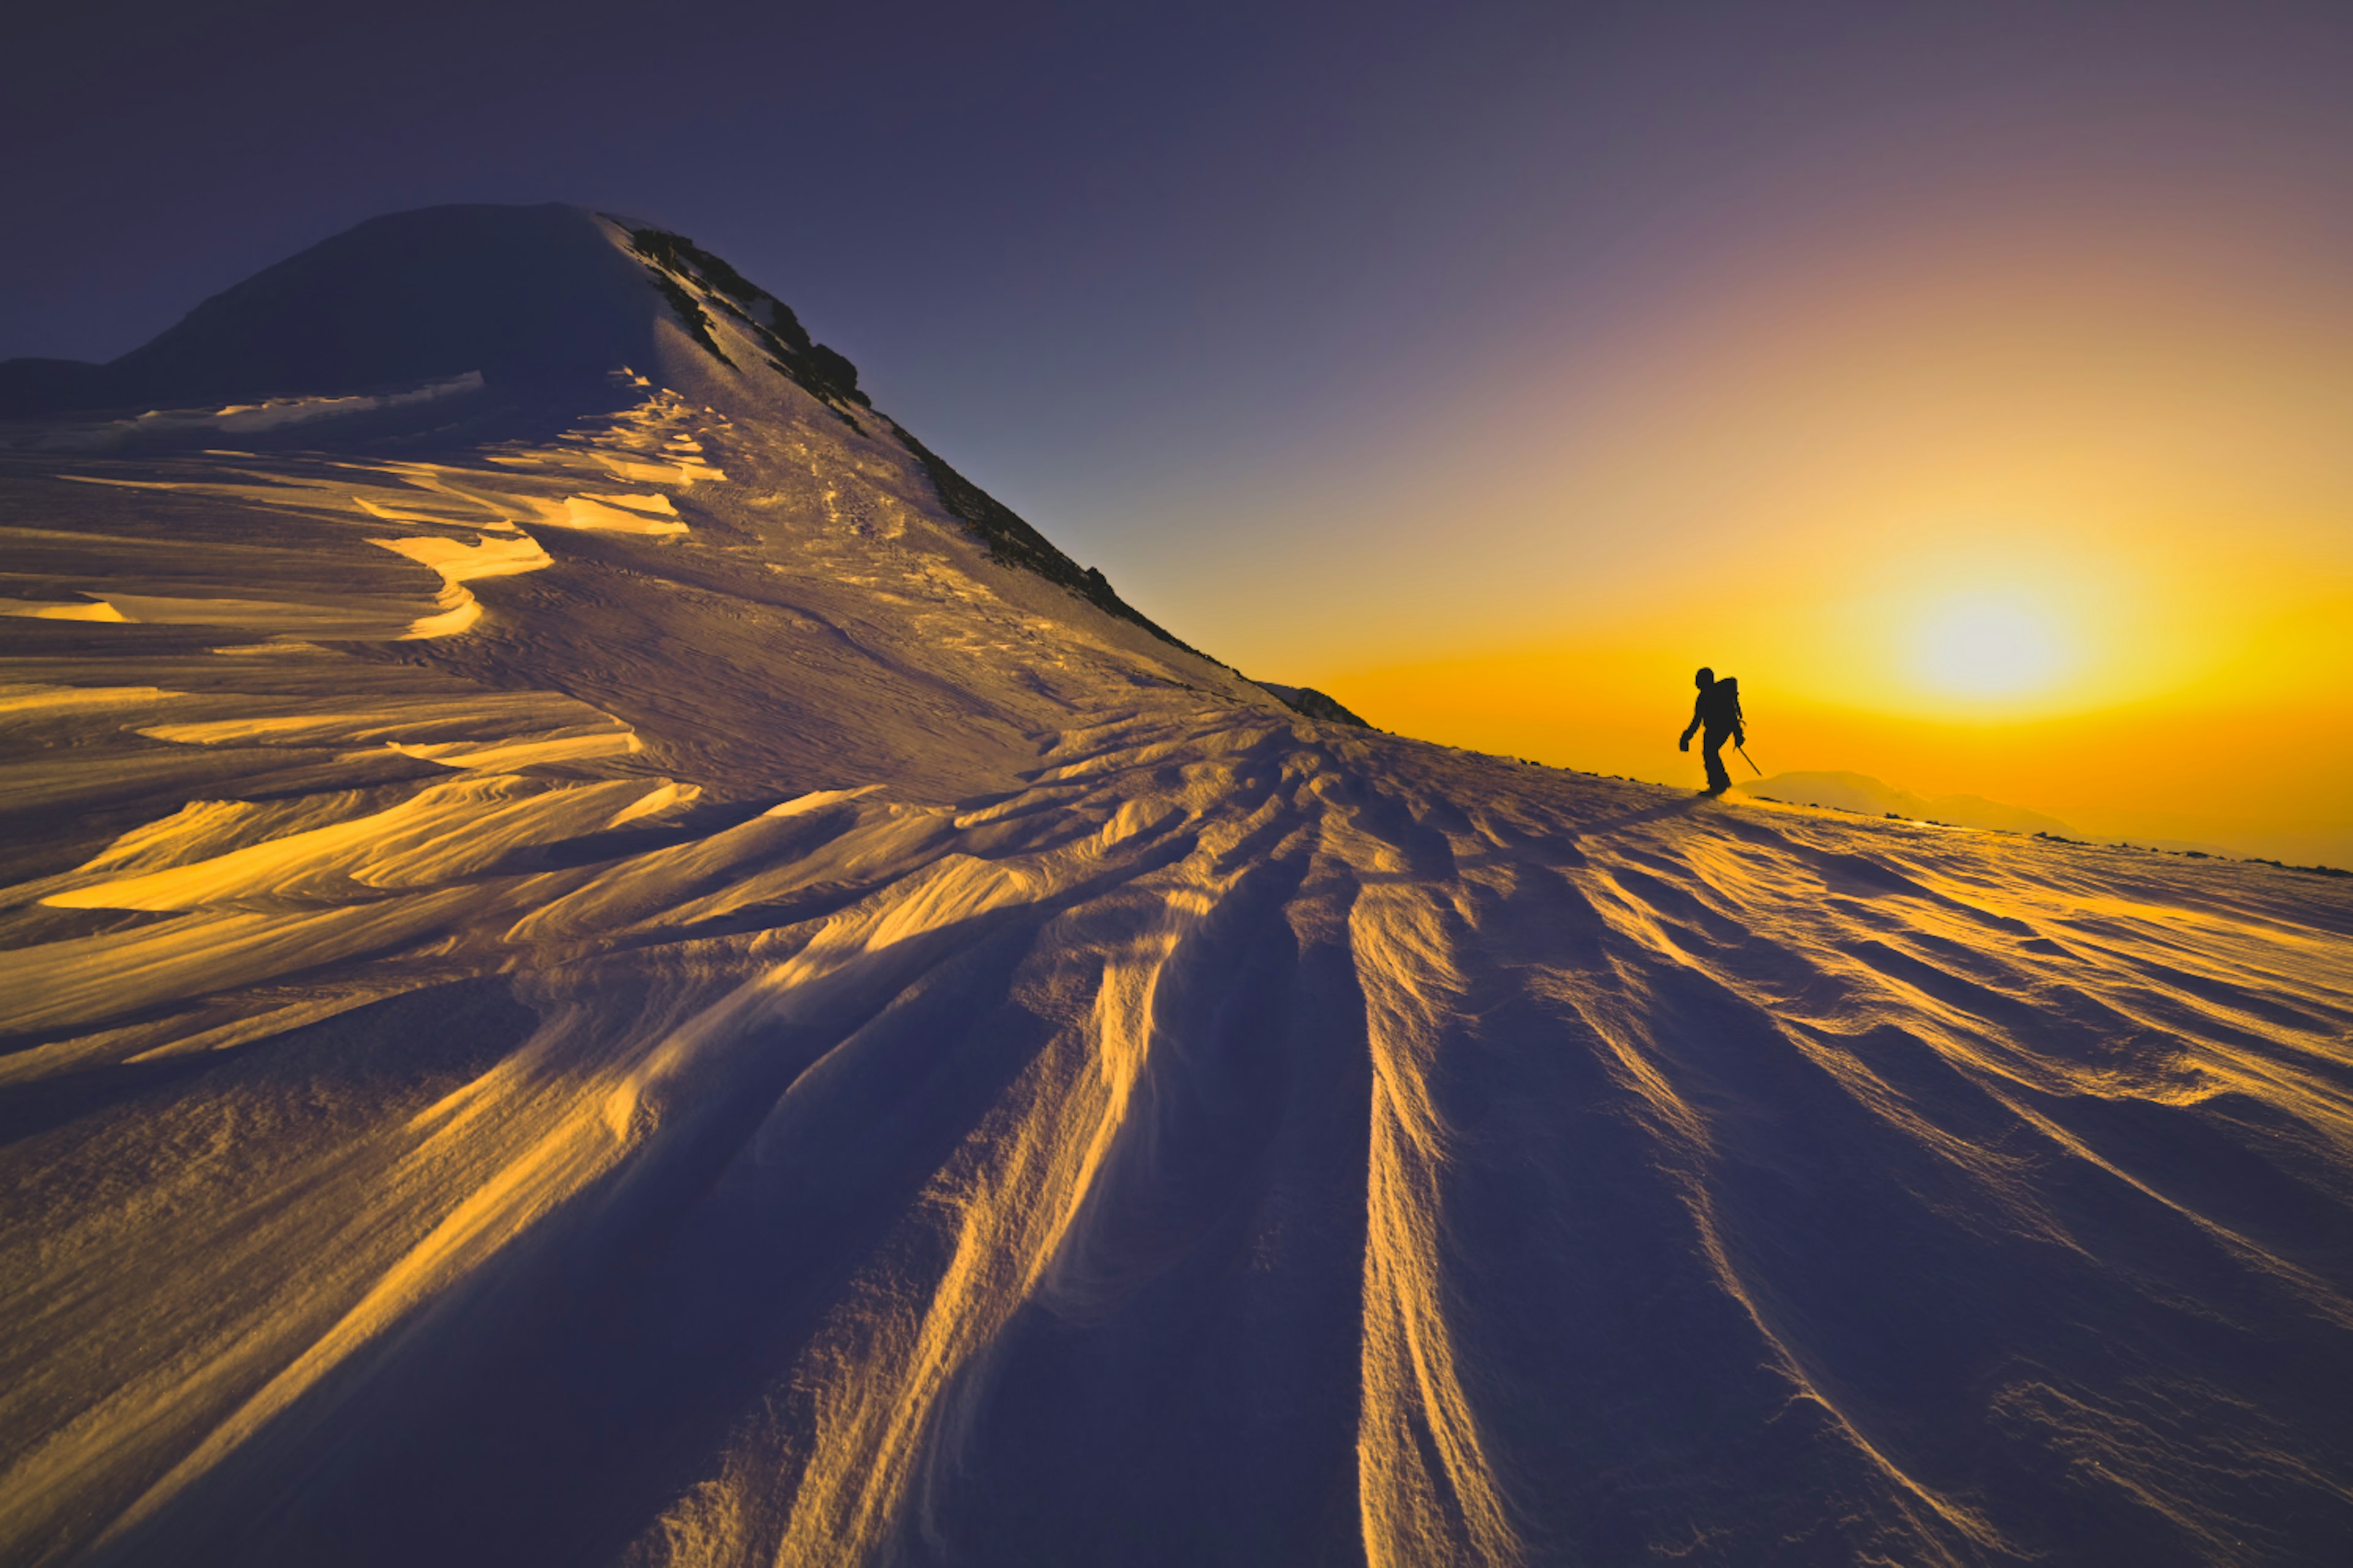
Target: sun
1988,644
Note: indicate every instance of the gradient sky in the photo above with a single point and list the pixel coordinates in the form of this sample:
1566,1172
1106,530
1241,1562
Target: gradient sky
1975,381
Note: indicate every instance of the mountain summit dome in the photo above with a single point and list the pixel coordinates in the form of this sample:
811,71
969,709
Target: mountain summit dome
515,293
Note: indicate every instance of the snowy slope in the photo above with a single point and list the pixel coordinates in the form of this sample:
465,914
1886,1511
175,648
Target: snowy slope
613,980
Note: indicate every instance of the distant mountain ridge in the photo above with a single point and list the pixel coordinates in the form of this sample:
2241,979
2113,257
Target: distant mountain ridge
1873,797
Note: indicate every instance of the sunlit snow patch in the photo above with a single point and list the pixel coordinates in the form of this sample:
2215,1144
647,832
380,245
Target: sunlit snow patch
69,610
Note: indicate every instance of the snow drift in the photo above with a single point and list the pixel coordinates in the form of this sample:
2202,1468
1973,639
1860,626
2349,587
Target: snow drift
637,977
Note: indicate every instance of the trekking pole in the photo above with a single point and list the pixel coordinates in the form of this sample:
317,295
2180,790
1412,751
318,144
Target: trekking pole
1750,759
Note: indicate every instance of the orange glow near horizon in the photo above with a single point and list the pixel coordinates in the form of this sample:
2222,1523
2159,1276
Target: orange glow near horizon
2068,525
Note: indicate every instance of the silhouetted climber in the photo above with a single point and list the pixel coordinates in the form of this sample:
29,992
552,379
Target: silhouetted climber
1717,712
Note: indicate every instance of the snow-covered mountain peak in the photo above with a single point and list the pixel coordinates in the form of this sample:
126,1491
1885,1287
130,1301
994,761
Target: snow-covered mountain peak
539,304
458,327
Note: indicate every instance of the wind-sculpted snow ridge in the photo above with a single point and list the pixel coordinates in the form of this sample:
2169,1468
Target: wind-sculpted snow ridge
636,997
